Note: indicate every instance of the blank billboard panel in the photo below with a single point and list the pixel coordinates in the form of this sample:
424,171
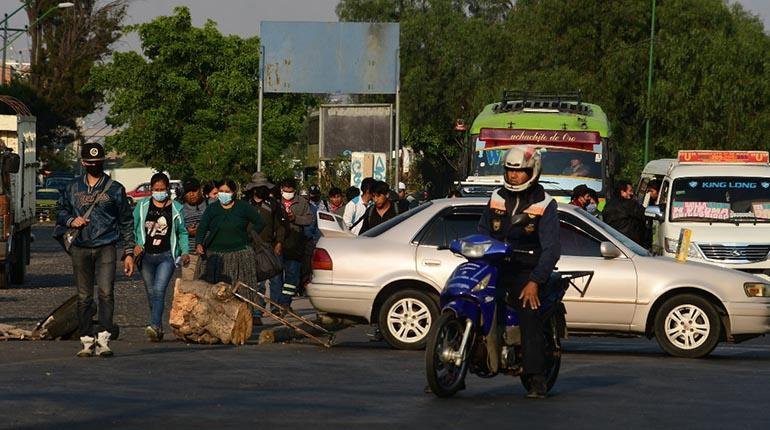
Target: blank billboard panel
330,57
350,128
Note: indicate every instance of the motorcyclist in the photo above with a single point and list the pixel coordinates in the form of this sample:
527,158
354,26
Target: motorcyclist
525,274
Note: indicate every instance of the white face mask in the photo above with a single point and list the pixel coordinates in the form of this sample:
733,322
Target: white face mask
287,196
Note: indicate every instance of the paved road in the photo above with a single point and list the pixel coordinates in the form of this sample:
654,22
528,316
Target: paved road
604,383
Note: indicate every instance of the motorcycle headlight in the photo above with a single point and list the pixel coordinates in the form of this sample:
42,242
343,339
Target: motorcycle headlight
672,244
474,250
482,283
756,289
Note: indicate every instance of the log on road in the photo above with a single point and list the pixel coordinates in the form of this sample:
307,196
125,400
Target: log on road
209,313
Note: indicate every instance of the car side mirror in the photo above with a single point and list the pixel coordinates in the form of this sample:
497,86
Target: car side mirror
653,212
609,250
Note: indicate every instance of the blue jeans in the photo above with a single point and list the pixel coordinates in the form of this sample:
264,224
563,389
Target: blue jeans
157,270
94,265
291,278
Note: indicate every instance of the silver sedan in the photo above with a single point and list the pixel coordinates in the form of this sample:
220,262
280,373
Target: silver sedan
392,276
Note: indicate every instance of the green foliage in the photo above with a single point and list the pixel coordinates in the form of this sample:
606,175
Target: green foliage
189,104
710,79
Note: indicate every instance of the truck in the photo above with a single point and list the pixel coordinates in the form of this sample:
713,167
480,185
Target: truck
721,199
573,136
18,174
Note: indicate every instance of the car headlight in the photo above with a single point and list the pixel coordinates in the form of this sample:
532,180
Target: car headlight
482,283
474,250
756,289
672,244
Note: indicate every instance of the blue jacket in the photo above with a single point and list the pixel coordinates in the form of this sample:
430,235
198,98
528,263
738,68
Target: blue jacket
540,235
180,241
110,219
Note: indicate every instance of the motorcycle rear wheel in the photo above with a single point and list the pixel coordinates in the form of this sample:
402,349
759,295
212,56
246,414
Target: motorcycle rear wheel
446,378
552,356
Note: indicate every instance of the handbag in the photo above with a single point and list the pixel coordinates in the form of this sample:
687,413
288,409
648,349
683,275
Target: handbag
66,235
268,264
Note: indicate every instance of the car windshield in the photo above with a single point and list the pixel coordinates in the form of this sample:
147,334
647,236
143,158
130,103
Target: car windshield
620,237
387,225
720,199
555,162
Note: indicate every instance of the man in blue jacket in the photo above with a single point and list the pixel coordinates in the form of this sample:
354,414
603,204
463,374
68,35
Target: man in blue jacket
94,251
526,273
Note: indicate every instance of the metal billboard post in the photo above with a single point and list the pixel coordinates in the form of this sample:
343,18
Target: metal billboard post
259,117
398,117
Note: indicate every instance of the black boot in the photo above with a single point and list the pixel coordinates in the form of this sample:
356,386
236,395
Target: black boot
537,388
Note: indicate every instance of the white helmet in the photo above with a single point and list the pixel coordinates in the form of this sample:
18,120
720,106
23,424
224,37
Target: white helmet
523,158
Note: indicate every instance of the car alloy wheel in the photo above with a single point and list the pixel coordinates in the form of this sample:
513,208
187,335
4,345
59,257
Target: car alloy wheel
406,317
687,325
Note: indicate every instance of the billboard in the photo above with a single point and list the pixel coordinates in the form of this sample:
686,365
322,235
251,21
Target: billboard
350,128
330,57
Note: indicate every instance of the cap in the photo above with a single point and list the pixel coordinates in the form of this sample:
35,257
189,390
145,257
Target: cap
314,190
258,179
92,152
191,184
401,186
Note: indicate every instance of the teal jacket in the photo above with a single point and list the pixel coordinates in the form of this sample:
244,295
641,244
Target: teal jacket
180,242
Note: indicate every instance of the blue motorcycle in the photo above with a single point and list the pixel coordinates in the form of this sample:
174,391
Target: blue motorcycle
478,330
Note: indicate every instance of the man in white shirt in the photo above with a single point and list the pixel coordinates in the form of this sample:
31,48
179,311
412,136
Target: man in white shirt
356,207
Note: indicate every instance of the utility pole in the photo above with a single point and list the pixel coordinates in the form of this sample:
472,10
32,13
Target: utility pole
649,89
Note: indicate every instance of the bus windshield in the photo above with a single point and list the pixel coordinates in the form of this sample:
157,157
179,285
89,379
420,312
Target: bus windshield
555,161
720,199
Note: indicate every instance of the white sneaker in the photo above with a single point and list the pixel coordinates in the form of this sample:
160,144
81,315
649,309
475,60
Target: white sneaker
103,344
88,346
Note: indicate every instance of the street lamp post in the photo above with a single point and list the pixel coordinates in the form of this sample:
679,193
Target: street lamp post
18,31
649,89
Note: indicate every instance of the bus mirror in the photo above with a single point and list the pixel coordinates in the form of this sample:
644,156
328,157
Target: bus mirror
653,212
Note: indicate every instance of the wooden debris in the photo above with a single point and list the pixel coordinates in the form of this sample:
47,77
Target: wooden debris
209,313
9,332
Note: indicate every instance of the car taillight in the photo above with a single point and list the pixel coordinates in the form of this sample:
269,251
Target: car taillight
321,260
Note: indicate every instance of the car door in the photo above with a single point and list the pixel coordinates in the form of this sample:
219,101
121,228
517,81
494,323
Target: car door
434,260
609,301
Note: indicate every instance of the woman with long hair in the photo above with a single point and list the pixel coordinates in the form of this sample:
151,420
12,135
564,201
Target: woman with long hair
162,237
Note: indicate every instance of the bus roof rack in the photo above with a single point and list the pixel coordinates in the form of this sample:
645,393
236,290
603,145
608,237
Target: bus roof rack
561,102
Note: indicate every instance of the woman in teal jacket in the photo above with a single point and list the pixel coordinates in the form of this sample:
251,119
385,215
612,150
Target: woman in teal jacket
162,237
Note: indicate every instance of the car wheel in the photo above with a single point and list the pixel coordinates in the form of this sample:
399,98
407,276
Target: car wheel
687,326
405,319
130,201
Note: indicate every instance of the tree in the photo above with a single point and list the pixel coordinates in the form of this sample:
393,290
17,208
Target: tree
65,46
710,86
188,105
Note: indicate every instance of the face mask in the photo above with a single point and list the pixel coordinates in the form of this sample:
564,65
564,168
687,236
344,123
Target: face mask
591,208
160,196
95,170
287,196
213,199
225,198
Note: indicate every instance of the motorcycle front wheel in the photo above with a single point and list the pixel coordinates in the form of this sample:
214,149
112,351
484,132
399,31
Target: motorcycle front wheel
552,355
445,375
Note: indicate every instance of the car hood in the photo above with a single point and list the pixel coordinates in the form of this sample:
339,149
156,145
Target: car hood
667,273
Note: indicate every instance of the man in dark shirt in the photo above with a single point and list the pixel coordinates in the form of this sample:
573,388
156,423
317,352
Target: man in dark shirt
624,213
95,250
192,211
382,209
